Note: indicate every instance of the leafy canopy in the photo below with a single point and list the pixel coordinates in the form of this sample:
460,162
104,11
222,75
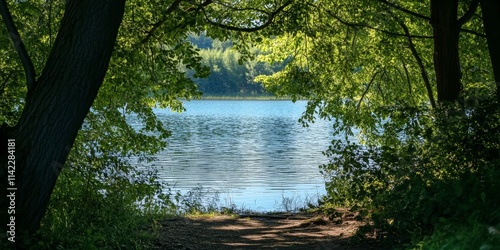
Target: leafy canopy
411,165
147,70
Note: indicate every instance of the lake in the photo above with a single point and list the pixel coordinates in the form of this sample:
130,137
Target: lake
253,153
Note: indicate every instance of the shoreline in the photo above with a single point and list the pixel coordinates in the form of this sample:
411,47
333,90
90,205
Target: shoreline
249,98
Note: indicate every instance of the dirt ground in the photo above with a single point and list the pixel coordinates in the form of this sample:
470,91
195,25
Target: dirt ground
281,231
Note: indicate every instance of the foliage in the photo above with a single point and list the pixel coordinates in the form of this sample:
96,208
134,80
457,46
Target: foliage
95,202
102,200
229,77
29,15
443,170
461,235
352,59
83,217
363,64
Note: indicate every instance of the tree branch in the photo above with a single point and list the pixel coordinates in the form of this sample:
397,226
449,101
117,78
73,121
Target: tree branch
199,6
225,5
5,82
170,9
473,32
271,15
366,90
174,6
407,75
49,25
29,69
415,14
354,25
469,13
420,65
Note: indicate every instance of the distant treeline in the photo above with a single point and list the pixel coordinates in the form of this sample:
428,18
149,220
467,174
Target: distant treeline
227,76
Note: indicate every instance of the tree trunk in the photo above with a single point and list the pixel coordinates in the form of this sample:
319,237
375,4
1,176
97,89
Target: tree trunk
446,58
57,105
491,21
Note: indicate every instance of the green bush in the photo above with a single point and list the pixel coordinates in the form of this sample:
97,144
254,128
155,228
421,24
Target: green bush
428,168
461,235
85,213
102,201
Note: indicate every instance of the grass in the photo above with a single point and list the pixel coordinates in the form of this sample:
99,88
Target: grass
201,201
295,204
113,223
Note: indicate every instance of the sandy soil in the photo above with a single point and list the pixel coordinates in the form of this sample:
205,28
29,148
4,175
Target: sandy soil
280,231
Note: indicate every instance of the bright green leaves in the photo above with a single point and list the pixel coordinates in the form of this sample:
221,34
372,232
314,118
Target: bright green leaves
34,21
229,75
354,59
449,172
364,64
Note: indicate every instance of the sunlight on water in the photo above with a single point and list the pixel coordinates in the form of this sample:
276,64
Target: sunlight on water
254,153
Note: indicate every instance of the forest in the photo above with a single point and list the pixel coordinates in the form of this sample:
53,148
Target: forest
412,89
229,76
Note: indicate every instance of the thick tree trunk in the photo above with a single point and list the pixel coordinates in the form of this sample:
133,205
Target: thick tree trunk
56,107
491,21
446,57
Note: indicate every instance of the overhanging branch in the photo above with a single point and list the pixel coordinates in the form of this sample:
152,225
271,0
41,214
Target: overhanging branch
366,90
362,25
407,11
473,32
270,19
420,63
173,7
170,9
469,13
29,69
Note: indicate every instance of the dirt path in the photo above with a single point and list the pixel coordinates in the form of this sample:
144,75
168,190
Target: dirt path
261,232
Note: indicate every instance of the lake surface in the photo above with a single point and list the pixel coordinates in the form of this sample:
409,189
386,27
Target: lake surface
253,153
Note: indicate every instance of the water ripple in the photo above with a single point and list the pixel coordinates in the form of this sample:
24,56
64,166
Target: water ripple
255,152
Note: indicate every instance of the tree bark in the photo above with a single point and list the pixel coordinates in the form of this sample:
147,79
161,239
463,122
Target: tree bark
446,57
491,21
56,107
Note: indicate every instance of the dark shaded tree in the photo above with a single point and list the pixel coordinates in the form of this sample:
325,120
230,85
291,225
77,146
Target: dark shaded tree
57,104
58,101
446,27
491,22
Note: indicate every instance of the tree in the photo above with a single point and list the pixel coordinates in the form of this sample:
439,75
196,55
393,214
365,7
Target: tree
357,57
446,30
57,102
47,128
374,68
331,63
228,76
491,20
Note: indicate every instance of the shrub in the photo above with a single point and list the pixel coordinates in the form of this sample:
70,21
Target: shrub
434,168
103,201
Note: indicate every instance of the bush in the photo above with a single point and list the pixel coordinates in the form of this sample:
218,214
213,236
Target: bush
102,201
85,213
438,167
460,235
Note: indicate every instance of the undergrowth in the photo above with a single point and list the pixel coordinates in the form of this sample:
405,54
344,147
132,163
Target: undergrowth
430,181
125,211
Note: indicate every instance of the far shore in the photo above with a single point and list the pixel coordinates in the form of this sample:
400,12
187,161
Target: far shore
263,98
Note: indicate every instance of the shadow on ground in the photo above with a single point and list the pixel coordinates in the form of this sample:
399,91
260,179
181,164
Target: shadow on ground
262,232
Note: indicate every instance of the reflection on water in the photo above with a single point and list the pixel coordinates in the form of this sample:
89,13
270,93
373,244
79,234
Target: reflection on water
254,152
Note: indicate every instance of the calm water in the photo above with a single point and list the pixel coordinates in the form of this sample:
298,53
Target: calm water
253,153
